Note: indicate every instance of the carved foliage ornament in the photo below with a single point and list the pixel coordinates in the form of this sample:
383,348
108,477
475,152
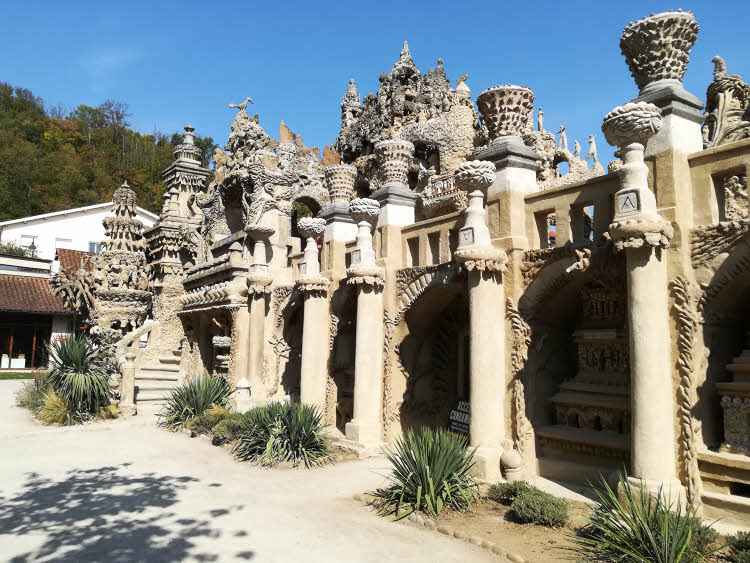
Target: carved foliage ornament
507,110
310,227
475,175
364,209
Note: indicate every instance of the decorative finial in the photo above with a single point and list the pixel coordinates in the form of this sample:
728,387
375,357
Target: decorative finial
440,62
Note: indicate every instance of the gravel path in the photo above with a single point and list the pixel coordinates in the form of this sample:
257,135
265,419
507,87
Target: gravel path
122,492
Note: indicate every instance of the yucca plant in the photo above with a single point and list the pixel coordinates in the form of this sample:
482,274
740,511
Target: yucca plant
282,432
192,398
431,470
79,374
637,526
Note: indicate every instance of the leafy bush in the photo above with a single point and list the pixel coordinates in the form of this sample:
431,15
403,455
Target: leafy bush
430,471
739,546
192,398
12,249
204,422
31,394
55,410
533,506
641,527
507,492
79,374
111,411
228,429
282,432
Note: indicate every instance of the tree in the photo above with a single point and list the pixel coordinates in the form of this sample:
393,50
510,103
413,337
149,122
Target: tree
116,115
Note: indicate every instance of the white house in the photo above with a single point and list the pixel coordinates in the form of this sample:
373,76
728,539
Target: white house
75,229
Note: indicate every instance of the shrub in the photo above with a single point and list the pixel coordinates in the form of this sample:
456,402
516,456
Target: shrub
282,432
507,492
636,526
739,545
742,557
55,410
192,398
533,506
228,429
79,374
111,411
430,471
204,422
31,394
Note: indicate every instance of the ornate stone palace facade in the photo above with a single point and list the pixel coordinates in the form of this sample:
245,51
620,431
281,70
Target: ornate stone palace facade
427,278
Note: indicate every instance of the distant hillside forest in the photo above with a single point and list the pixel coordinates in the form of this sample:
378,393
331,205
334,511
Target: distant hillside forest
55,159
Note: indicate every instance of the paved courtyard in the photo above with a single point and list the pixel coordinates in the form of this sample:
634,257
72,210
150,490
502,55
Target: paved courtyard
121,492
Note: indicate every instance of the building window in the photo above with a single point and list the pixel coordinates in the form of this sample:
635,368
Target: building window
28,242
63,243
95,247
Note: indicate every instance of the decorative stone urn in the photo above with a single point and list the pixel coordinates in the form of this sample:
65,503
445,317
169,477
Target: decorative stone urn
658,46
365,212
507,110
394,156
636,221
475,248
340,182
311,228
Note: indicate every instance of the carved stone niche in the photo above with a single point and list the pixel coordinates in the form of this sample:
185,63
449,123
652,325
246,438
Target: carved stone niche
735,401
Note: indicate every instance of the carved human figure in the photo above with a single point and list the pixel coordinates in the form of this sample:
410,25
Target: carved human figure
576,149
540,119
562,142
592,150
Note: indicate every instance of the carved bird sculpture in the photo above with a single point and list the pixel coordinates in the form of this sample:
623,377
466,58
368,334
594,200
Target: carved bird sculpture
243,105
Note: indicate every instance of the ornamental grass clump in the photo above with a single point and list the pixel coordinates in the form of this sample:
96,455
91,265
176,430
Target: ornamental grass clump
637,526
430,471
80,375
191,399
282,432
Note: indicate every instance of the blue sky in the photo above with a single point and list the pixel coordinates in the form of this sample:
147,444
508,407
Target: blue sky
175,62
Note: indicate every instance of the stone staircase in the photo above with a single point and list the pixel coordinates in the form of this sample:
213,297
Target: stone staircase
153,382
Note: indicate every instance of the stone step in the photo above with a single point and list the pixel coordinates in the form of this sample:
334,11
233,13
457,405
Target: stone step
169,360
151,395
151,385
161,367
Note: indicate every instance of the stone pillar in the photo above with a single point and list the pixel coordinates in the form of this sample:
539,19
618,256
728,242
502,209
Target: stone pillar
127,385
507,113
314,369
486,265
258,290
639,231
396,200
366,428
340,182
656,49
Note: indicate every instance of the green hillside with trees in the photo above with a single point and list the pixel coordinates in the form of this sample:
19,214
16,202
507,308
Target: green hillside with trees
54,159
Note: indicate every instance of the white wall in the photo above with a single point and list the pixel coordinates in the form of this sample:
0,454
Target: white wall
61,326
77,228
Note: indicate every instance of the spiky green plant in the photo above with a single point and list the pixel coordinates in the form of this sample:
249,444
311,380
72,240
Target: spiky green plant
431,470
79,374
192,398
282,432
637,526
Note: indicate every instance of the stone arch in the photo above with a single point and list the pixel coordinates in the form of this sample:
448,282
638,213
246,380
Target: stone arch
316,197
340,380
421,342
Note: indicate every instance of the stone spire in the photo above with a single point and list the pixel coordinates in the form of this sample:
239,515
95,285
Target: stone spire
405,61
124,230
186,150
352,97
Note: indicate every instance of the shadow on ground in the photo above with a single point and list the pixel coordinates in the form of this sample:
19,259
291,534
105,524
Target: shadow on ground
106,514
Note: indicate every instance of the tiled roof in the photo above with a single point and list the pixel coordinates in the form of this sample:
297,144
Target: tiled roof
72,258
29,295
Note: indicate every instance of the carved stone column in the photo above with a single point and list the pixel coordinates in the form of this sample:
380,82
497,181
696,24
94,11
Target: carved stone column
366,427
258,290
656,49
340,183
314,370
396,200
507,113
486,265
640,232
127,385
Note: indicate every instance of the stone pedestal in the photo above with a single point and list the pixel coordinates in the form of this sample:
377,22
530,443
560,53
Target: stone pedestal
127,385
396,200
241,400
340,183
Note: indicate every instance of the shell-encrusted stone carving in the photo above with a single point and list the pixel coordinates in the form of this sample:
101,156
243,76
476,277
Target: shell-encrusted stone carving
340,182
394,156
507,110
364,209
311,227
475,175
631,123
658,46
